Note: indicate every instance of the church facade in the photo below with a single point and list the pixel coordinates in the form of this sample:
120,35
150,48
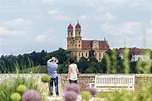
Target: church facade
79,47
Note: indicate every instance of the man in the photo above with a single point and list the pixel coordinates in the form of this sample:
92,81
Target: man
52,71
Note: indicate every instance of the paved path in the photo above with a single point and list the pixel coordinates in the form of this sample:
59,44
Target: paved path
61,92
78,99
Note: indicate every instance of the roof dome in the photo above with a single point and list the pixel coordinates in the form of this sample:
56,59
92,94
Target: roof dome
78,26
70,27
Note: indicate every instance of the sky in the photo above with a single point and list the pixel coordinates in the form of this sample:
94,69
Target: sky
36,25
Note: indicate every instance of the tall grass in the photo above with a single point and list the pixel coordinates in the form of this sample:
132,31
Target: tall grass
143,92
9,84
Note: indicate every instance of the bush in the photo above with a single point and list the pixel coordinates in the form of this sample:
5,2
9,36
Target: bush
86,95
45,78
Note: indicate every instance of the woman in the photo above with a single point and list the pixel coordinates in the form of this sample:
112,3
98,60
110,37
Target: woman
72,72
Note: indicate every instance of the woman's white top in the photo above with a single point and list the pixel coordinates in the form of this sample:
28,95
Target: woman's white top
73,75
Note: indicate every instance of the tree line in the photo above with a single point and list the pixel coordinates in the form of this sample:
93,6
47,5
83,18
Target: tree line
111,62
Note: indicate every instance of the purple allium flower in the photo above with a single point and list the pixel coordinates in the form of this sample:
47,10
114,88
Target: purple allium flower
73,87
31,95
92,90
70,96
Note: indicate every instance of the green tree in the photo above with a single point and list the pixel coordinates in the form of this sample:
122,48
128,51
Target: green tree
83,64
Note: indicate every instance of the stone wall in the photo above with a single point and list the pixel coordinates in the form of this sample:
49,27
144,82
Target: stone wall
83,80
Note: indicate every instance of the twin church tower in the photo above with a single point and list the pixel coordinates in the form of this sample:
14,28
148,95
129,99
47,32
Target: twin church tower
79,47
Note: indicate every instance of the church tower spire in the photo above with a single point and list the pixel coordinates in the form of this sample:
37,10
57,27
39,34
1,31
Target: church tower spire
70,37
78,38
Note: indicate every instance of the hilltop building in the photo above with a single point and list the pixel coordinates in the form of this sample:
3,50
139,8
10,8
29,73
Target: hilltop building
135,53
79,47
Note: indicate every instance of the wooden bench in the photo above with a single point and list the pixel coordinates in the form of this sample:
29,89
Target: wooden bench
113,82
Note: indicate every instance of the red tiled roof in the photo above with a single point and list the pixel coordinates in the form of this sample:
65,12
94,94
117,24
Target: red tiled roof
132,51
87,45
136,51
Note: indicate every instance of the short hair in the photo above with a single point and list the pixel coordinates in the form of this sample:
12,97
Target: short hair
53,59
71,60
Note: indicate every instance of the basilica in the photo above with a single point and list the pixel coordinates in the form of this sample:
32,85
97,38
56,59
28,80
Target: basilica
80,47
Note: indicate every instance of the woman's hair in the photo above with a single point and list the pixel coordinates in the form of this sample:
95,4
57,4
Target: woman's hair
71,61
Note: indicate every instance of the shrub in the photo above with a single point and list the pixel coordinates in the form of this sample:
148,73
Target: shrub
86,95
15,97
45,78
21,89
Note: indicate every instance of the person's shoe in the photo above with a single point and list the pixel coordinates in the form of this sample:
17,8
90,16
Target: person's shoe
50,95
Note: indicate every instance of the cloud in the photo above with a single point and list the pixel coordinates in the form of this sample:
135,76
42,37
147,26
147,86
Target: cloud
112,4
6,32
48,1
104,3
105,17
45,37
18,23
14,27
58,15
134,4
84,17
130,34
128,28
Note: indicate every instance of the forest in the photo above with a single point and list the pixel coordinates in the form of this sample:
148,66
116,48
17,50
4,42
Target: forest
111,62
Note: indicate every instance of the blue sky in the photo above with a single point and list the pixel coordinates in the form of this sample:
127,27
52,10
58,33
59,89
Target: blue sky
35,25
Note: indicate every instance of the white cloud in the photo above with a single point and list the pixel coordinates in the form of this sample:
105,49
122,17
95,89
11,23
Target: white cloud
105,3
134,4
48,1
45,37
130,34
6,32
58,15
105,17
126,28
14,27
18,23
112,4
84,17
